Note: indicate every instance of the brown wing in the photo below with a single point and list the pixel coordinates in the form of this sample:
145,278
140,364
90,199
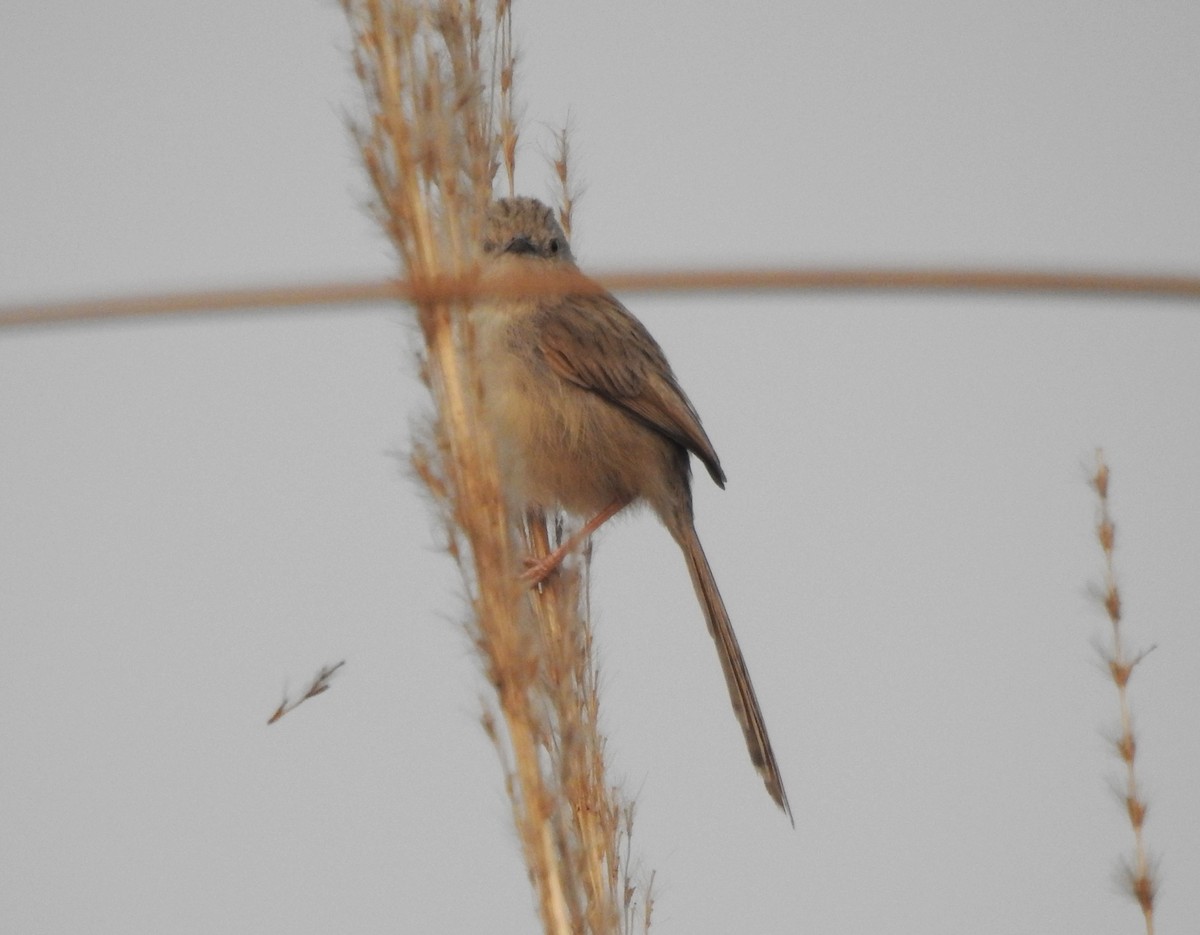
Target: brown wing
595,343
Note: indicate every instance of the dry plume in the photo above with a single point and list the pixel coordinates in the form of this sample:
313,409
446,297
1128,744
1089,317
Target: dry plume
437,129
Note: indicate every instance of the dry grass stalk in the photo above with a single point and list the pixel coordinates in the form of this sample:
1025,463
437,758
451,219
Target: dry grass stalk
318,686
1138,873
433,145
567,191
506,73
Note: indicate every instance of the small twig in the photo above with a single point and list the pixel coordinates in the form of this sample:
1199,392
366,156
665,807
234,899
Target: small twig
319,685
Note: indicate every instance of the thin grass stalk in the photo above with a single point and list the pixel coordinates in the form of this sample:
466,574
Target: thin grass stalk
567,191
1138,874
507,72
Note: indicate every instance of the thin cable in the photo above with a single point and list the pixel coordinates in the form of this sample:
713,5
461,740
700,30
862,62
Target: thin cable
982,281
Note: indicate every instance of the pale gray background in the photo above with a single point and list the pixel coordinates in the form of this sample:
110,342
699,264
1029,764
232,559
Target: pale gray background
194,513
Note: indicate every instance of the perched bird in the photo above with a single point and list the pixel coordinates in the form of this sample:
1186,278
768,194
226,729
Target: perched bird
589,418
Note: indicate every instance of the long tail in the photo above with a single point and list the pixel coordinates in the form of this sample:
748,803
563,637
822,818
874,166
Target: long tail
737,676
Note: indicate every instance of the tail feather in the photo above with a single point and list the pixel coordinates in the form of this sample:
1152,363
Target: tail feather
733,664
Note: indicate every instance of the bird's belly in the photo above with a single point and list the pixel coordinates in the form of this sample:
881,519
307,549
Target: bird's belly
563,447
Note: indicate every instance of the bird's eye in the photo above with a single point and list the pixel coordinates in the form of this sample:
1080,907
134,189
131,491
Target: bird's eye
555,246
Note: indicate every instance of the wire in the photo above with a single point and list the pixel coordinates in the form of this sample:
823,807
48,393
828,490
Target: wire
208,302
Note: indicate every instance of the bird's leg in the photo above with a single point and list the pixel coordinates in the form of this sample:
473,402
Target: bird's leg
541,569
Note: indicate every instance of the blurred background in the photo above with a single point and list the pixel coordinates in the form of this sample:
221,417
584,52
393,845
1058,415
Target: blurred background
197,513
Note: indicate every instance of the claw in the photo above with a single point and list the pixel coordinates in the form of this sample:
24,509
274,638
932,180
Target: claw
538,570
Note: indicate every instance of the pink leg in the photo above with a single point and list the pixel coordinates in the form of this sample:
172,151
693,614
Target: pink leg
539,571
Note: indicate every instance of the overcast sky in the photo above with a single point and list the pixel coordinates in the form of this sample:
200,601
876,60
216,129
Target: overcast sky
197,513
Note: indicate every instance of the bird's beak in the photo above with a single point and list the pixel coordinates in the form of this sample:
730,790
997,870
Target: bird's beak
519,245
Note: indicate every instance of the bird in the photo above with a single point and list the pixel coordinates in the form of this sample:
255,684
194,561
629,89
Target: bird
590,419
